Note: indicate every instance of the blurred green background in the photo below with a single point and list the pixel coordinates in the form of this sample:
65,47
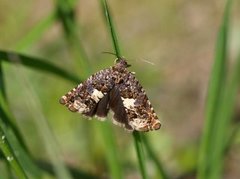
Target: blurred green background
171,47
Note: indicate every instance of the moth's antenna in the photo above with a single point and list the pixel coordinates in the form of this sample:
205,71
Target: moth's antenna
146,61
110,53
143,60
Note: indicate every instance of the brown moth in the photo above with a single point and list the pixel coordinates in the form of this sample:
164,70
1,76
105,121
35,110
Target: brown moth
117,89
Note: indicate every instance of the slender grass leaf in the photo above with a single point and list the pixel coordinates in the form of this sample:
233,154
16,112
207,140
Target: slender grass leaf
66,15
10,156
2,87
111,27
34,109
112,157
36,33
76,48
136,135
4,145
226,109
76,173
37,64
5,113
24,159
153,156
4,107
140,154
13,136
216,86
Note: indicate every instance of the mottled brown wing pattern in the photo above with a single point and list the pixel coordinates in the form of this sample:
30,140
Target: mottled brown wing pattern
139,112
117,89
120,117
91,97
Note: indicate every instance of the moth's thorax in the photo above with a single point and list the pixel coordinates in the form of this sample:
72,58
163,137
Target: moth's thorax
120,65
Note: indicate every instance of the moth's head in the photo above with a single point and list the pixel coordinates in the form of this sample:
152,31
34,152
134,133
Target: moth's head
121,63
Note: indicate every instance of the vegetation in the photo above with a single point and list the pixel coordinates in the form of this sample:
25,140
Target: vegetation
41,139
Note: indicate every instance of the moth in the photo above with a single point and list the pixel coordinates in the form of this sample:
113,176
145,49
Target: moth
117,89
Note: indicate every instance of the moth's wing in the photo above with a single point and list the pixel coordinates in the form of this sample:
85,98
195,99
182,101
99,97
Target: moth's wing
116,104
138,109
91,97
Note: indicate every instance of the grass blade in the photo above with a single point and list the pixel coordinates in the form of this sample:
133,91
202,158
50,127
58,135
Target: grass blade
4,144
136,135
66,16
224,116
10,156
215,93
34,108
111,27
36,32
37,64
112,157
139,149
5,109
160,168
13,139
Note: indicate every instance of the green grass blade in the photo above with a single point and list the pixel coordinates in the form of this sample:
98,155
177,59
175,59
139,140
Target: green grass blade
14,143
4,144
152,155
66,16
76,48
140,154
10,156
111,27
23,156
13,136
112,157
76,172
215,91
136,135
224,116
4,107
36,32
5,113
37,64
2,87
34,109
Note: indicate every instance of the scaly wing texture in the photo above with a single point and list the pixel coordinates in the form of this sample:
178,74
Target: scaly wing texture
117,89
138,109
91,97
120,117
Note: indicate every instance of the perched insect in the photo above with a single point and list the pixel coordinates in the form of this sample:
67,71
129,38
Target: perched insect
117,89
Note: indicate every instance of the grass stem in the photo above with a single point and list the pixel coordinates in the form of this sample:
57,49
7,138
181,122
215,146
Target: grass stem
140,154
152,155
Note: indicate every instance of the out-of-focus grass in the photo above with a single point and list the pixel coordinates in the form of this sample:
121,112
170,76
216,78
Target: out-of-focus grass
5,147
111,27
64,12
36,33
136,135
220,105
37,64
159,165
10,156
66,17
